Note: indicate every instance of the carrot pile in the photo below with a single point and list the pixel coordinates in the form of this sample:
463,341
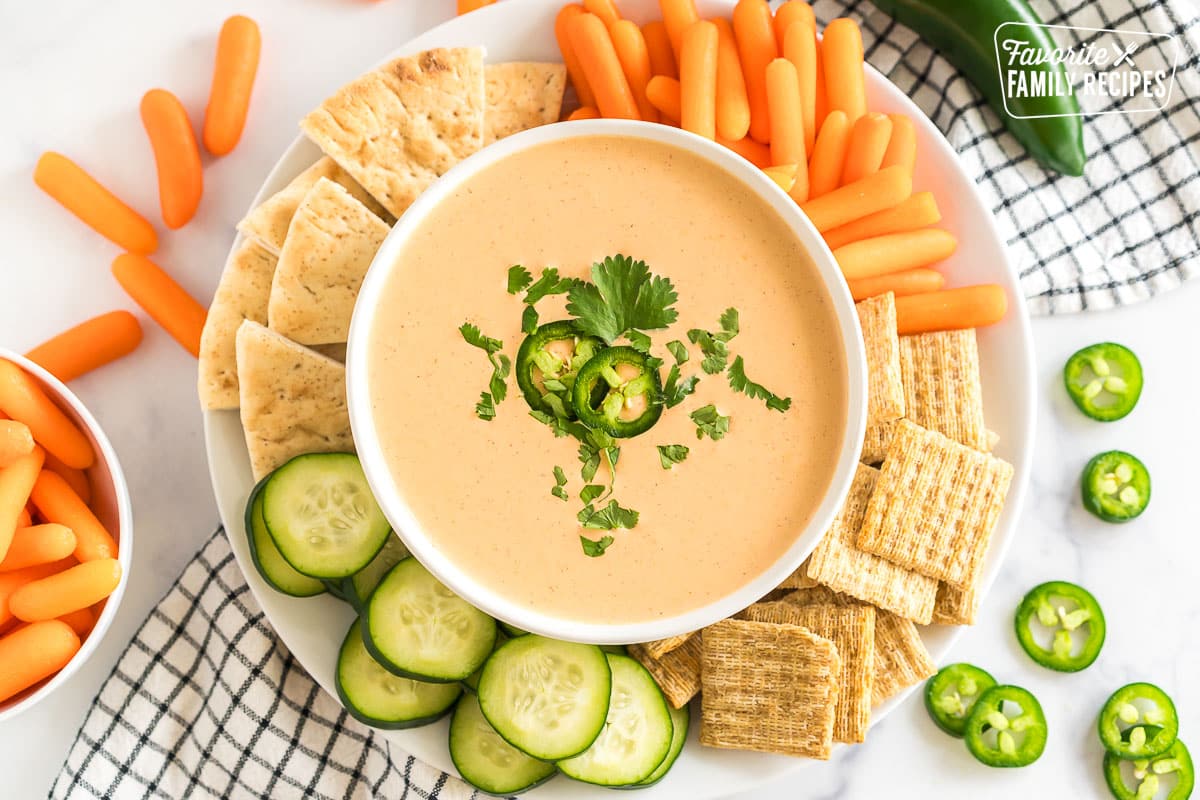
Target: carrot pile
792,101
58,562
173,141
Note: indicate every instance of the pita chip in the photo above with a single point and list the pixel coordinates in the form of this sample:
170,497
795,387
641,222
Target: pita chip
522,95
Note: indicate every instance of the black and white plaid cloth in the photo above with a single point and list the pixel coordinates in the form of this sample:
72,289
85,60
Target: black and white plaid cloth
207,703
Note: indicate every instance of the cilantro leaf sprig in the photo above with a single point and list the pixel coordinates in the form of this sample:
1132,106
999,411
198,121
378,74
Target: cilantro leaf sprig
715,346
711,422
622,296
677,388
550,283
595,547
519,279
740,383
671,454
609,518
485,409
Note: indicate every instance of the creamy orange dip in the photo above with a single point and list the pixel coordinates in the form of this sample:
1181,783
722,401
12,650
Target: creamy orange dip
481,490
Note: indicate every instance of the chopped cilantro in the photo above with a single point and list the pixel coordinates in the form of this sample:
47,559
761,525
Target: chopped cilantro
609,518
519,279
550,283
716,352
730,326
679,351
671,454
740,383
501,366
675,389
560,480
529,320
589,456
622,296
593,548
485,409
590,493
710,421
639,341
476,338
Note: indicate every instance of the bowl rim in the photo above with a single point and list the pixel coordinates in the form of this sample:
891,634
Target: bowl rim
105,452
405,522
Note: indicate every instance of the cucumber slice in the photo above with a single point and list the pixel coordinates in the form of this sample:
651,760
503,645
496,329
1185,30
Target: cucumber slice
485,760
471,682
418,628
680,718
337,588
274,570
637,734
548,699
363,582
618,649
322,516
513,630
377,697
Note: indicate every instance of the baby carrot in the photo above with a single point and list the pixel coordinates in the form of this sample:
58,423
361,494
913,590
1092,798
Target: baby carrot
635,62
98,208
15,441
77,479
783,105
234,69
868,142
24,519
698,79
34,653
16,484
67,591
664,93
57,503
176,156
784,175
598,58
951,309
604,9
821,101
88,345
467,6
902,146
791,12
38,544
855,200
842,57
800,48
80,621
901,284
162,298
895,252
829,153
757,154
10,582
915,212
678,16
752,27
570,59
584,112
23,400
662,57
733,107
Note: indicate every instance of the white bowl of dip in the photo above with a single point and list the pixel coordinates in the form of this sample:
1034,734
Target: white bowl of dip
471,498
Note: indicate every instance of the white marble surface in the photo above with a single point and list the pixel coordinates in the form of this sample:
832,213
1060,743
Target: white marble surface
71,75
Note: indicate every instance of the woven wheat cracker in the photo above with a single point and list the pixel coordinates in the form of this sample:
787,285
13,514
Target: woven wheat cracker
677,673
660,647
942,389
935,505
885,391
956,606
900,656
839,564
770,688
852,631
798,579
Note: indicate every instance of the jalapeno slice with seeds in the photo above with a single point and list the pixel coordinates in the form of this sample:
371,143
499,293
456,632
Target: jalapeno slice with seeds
1104,380
1069,611
951,694
619,392
1006,728
547,363
1151,774
1138,721
1115,486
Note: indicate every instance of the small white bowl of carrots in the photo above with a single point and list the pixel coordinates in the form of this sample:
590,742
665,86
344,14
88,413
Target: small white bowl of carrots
65,534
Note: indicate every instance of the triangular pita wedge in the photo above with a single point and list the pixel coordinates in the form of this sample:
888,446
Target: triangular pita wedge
522,95
268,222
398,128
329,246
293,401
242,294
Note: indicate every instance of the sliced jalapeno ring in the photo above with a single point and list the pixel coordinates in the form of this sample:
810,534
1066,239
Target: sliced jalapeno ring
1104,380
1070,612
951,694
1115,486
618,392
547,363
996,737
1150,774
1138,721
